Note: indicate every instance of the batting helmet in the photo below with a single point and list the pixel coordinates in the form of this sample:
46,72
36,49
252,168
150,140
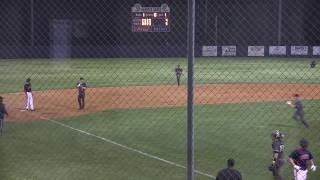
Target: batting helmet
304,142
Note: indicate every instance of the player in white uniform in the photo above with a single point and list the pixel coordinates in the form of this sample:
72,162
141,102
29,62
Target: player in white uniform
29,97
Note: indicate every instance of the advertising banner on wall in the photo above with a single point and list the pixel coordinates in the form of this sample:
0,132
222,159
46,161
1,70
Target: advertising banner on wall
229,50
277,50
316,51
299,50
209,50
255,50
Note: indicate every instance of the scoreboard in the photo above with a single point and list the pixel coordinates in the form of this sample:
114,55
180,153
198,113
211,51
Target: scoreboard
150,19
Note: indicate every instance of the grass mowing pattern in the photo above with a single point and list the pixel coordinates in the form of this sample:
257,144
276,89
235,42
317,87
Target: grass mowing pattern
59,74
43,150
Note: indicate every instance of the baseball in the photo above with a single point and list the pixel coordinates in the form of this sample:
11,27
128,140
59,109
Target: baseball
289,102
78,85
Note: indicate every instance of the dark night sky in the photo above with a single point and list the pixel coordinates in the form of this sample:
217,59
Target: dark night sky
108,23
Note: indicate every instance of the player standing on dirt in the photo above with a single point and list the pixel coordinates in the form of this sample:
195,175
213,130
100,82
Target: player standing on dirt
178,71
82,86
3,112
299,114
28,95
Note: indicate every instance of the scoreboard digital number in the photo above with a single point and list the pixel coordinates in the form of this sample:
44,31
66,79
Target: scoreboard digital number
150,19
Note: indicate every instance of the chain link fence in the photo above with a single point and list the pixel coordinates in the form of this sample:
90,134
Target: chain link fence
251,58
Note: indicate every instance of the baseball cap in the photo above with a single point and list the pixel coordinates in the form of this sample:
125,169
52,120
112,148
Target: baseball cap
304,142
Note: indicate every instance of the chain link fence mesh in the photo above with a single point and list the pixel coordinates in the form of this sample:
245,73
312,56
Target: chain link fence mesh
133,124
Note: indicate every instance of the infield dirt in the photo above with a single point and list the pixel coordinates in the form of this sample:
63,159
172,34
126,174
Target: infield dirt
63,103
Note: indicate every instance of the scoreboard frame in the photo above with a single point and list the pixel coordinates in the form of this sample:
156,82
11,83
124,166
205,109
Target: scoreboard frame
150,19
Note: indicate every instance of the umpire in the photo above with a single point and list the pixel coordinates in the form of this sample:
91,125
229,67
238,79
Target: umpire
82,86
3,112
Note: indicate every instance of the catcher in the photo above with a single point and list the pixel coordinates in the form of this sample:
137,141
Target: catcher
278,149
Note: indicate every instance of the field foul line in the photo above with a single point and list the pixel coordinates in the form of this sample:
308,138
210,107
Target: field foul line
126,147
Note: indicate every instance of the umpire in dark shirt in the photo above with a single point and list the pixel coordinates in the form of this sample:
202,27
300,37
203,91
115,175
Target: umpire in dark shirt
229,173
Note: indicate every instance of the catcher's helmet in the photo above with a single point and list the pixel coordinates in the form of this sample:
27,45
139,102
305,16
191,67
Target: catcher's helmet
304,142
277,134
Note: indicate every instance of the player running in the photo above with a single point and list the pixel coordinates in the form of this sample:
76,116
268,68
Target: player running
299,114
178,71
278,150
82,86
299,159
28,95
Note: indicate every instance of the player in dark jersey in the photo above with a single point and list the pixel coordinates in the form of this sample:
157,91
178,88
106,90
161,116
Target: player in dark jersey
178,71
278,150
229,173
3,112
81,85
28,95
299,160
299,114
313,64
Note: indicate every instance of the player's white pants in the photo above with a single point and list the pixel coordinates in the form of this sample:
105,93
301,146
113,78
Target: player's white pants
300,174
29,103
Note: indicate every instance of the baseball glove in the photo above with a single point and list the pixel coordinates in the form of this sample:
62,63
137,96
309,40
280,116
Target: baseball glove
270,168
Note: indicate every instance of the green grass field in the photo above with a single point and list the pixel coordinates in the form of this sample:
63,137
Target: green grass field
58,74
150,143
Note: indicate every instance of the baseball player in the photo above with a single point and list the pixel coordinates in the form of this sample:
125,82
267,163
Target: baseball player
278,149
3,112
299,159
178,71
299,114
313,64
82,86
28,95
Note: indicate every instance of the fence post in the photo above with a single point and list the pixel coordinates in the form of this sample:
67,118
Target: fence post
190,118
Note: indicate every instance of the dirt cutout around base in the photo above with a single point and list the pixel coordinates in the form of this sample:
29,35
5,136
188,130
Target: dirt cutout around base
63,103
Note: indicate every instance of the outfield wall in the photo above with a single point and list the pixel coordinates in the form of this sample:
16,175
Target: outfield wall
140,51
